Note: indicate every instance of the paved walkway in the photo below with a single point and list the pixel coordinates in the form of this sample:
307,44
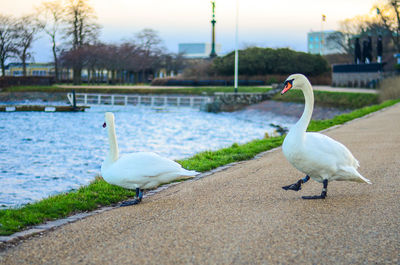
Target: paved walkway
242,216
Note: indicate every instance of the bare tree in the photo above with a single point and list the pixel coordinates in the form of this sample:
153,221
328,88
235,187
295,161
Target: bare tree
150,44
81,29
7,43
369,25
389,13
72,59
25,32
174,62
341,41
129,60
349,28
50,15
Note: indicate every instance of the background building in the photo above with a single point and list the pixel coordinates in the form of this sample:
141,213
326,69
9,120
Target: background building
197,50
32,69
316,46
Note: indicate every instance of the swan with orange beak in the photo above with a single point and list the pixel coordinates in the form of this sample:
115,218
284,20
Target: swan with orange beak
316,155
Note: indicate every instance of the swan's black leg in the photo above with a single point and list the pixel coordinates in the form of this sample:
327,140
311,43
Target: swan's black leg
296,186
138,199
323,193
140,196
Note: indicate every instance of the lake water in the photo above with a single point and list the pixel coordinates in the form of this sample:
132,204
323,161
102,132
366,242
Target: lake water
42,154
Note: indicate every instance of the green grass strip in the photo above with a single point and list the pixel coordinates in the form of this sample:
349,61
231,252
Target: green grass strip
99,193
86,198
318,125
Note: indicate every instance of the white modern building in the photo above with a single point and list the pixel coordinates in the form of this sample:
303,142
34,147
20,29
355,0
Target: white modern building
197,50
318,42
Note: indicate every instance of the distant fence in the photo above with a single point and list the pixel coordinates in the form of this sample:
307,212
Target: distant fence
7,81
139,100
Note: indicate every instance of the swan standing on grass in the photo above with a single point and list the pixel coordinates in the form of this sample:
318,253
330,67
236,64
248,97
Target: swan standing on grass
316,155
141,170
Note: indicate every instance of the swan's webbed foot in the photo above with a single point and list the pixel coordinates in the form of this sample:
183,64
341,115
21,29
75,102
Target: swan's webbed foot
137,200
130,202
323,193
296,186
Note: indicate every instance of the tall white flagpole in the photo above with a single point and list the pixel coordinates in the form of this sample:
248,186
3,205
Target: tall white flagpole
236,47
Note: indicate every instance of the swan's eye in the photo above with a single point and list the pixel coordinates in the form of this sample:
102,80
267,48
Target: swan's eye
104,125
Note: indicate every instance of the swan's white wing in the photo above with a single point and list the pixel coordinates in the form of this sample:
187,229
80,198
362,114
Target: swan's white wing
138,169
328,150
323,157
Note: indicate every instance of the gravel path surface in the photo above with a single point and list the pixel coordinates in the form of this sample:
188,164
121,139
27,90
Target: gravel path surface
242,216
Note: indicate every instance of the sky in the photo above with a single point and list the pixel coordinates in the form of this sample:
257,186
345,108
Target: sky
264,23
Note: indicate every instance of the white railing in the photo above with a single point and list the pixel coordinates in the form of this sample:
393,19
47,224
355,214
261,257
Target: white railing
139,100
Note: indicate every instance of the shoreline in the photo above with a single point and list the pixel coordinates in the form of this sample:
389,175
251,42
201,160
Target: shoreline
33,96
188,163
293,109
42,229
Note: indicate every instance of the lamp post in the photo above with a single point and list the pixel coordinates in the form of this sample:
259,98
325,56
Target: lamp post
236,47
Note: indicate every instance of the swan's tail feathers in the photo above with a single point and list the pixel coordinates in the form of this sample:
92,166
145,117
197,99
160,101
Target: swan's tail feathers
185,172
361,178
365,180
356,176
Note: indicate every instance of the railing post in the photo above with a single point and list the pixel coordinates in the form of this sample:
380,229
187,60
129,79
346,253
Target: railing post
98,99
69,96
73,99
112,99
126,100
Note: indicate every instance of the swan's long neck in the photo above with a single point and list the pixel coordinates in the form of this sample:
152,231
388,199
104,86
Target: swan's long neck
112,138
302,124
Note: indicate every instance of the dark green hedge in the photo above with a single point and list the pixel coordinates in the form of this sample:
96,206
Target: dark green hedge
262,61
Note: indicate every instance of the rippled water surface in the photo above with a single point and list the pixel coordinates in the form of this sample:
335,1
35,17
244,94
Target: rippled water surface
47,153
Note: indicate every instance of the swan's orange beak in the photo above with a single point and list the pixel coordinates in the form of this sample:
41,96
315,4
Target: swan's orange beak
104,125
288,85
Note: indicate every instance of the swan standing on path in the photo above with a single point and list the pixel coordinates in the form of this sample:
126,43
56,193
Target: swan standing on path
141,170
316,155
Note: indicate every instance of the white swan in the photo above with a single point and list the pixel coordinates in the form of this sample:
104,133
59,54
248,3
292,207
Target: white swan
316,155
141,170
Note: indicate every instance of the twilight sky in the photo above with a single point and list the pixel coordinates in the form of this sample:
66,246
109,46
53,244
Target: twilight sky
265,23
